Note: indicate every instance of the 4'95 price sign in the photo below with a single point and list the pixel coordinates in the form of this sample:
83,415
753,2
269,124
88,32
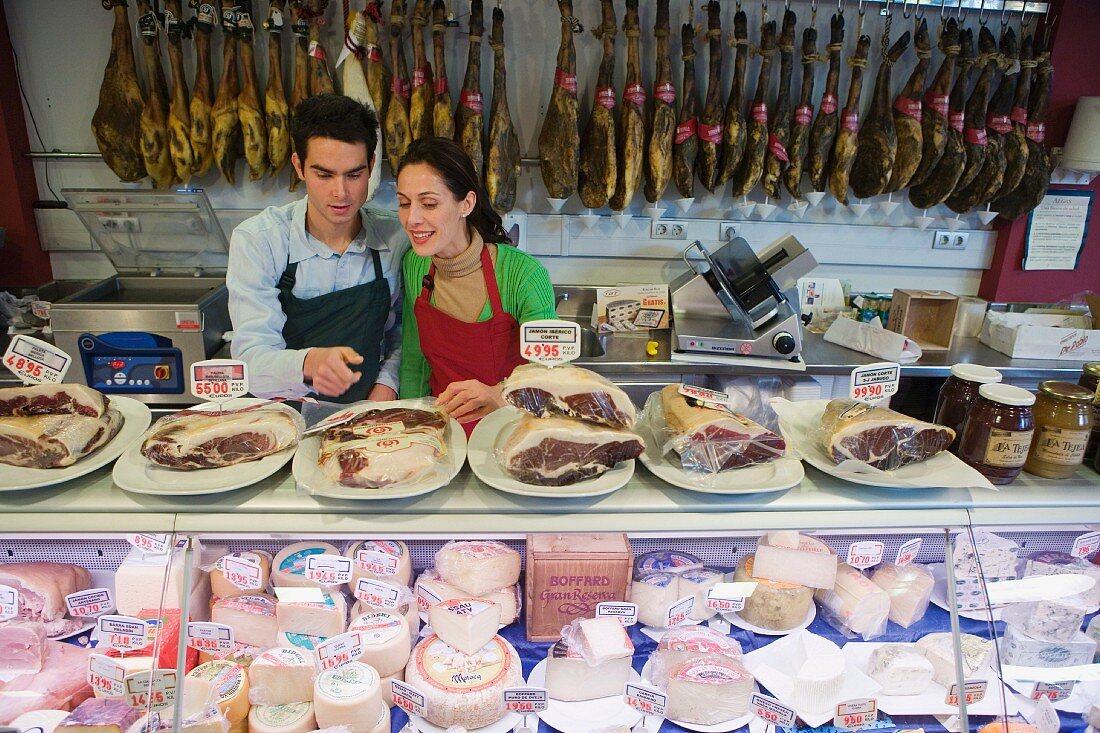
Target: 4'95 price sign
36,362
219,380
549,342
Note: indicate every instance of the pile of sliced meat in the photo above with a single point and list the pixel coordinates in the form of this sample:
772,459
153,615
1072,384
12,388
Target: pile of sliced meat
51,426
195,439
384,446
878,436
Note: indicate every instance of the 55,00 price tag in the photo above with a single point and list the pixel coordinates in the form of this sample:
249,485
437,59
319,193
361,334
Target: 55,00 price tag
219,380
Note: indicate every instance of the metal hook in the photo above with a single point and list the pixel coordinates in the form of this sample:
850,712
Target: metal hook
959,11
840,6
943,9
861,10
981,13
813,6
887,10
904,13
1004,13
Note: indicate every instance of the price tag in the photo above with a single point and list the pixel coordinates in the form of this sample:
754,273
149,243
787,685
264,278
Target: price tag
1045,718
376,562
549,342
771,710
41,309
729,597
219,380
90,603
865,554
36,362
208,637
328,569
154,690
9,602
679,611
407,698
124,633
908,552
874,383
708,397
525,700
425,599
377,594
244,572
340,650
150,544
974,691
856,714
646,700
1053,691
106,675
627,613
1086,544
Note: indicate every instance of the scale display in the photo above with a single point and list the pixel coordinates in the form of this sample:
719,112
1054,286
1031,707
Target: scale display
132,362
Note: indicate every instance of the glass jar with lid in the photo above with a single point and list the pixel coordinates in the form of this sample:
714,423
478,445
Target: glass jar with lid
1063,422
997,434
957,394
1090,380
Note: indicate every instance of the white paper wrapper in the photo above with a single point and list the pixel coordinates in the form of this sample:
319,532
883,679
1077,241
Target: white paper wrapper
871,338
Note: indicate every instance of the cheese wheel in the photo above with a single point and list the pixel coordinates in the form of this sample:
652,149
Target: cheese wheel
430,586
252,618
281,676
222,588
665,561
350,695
478,567
393,553
774,605
39,721
411,612
293,718
387,686
230,686
509,601
327,618
289,566
708,691
696,583
385,640
383,724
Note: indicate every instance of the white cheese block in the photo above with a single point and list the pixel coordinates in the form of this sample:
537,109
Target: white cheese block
774,605
1051,620
665,561
813,564
463,690
696,583
141,578
855,604
222,588
1026,651
282,675
995,555
654,594
252,618
39,721
435,587
909,588
818,673
900,670
289,566
708,691
940,650
508,598
467,624
385,641
410,611
1049,562
230,683
290,718
396,554
130,665
478,567
350,695
328,618
686,643
570,678
99,716
387,687
601,639
509,601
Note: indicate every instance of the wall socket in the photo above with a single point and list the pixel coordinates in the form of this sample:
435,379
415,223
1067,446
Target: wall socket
668,229
727,230
120,224
950,240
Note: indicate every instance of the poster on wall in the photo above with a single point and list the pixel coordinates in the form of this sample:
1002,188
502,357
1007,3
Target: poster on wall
1056,231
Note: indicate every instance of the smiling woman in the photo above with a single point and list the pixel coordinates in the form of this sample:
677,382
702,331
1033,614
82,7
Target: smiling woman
466,287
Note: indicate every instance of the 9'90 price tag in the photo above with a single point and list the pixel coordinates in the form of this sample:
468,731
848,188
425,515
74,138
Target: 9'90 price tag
874,383
525,700
645,700
219,380
36,362
549,342
407,698
771,710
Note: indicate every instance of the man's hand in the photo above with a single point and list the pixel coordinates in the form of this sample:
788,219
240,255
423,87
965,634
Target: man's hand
470,400
381,393
327,369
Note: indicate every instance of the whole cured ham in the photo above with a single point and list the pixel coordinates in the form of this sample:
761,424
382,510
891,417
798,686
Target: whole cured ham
42,587
686,143
320,76
470,116
379,447
202,95
599,162
878,436
197,439
557,451
397,134
353,80
155,150
179,113
224,120
779,126
908,112
934,110
756,138
253,125
630,141
569,391
423,87
974,138
1036,178
502,165
710,121
276,109
559,139
823,132
54,441
299,91
116,123
877,143
844,149
52,399
733,123
1015,142
378,74
443,118
662,116
709,440
802,118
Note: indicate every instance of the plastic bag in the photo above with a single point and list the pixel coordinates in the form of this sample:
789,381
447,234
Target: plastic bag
569,391
560,451
686,643
55,441
1050,620
878,436
598,640
21,314
855,606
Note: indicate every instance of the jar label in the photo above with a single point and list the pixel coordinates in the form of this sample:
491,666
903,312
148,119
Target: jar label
1060,446
1007,448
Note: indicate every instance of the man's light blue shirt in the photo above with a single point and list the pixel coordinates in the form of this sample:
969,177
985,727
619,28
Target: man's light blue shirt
259,251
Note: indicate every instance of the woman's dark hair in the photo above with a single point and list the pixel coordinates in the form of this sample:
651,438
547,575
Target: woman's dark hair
456,169
336,117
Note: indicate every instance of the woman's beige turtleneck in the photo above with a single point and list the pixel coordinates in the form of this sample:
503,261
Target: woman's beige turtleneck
459,283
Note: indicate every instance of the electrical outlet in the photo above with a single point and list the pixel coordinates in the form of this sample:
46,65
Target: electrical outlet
120,224
668,229
727,230
950,240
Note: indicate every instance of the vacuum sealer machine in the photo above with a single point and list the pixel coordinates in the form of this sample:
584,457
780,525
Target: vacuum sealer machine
138,332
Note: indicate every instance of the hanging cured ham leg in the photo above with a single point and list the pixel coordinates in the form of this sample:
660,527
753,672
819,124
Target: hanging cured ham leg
224,118
598,161
630,141
662,118
276,109
823,132
559,139
154,116
803,117
202,96
686,143
179,114
470,116
249,111
396,131
502,166
116,123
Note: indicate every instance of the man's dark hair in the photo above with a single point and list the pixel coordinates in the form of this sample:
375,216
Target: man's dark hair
333,116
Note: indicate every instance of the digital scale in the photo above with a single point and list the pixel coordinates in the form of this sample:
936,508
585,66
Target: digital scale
136,333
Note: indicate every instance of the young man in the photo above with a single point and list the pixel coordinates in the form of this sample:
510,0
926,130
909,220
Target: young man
315,285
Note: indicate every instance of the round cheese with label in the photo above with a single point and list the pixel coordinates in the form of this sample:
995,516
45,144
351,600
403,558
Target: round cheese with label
385,560
222,587
230,684
385,640
289,567
665,561
708,691
252,618
410,610
774,605
654,594
293,718
478,567
687,643
350,695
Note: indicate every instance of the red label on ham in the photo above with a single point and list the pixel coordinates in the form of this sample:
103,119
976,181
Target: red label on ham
909,107
975,136
635,94
686,130
400,87
1019,114
760,113
777,149
373,53
420,77
850,121
710,133
665,92
568,82
441,85
605,97
938,102
999,123
316,50
471,100
956,120
828,104
803,114
1037,132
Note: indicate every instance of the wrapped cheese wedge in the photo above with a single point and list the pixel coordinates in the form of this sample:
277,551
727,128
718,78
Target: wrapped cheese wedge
557,451
195,439
570,391
878,436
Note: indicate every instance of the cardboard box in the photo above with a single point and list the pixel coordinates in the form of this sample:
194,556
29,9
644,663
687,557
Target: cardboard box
568,574
1045,335
631,308
925,316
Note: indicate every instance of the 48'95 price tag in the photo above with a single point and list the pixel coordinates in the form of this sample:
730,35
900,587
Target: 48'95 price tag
219,380
36,362
550,341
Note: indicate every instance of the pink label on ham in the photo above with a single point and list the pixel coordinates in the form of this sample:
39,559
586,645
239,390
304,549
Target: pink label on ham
910,107
605,97
400,87
710,133
568,82
803,114
828,104
999,123
635,94
975,136
1037,132
420,77
938,102
760,113
777,149
441,85
471,100
1019,114
956,120
686,130
850,121
665,92
373,53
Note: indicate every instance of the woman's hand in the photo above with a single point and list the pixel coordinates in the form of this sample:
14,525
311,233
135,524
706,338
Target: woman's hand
470,400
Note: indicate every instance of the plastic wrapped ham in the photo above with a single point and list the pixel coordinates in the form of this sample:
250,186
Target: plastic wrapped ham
384,446
878,436
558,451
42,587
569,391
195,439
60,684
22,647
54,441
52,399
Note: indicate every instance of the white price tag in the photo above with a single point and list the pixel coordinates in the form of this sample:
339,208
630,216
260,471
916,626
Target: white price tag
425,599
856,714
771,710
627,613
973,690
219,380
865,554
90,603
36,362
377,594
708,397
244,572
908,552
407,698
106,675
874,383
729,597
376,562
1086,544
9,602
41,309
328,569
150,544
340,650
1053,691
679,611
124,633
550,341
646,700
209,637
525,700
154,690
1045,718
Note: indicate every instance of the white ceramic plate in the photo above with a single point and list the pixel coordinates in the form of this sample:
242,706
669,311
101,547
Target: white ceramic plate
584,715
135,418
741,623
135,473
310,478
491,433
723,727
777,475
